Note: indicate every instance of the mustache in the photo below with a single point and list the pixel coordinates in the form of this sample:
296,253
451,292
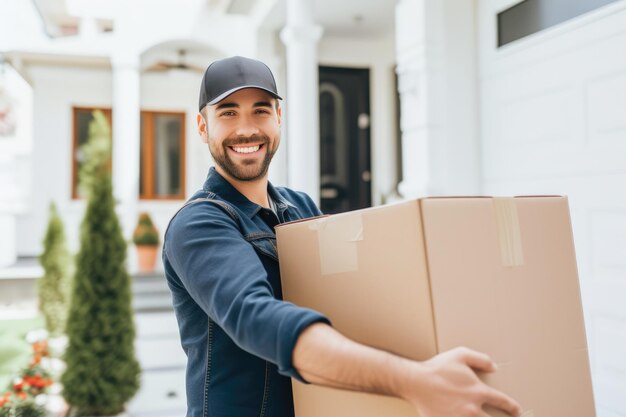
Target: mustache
244,140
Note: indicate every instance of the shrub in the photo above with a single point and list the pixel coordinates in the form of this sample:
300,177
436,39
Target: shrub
26,408
102,372
145,233
55,286
96,153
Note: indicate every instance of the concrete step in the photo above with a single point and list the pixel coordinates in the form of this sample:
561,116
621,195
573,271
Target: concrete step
162,393
152,303
151,293
149,283
150,287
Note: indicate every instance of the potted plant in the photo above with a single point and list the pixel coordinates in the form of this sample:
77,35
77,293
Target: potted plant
146,238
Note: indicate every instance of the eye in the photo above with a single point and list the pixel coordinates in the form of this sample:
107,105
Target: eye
228,113
262,111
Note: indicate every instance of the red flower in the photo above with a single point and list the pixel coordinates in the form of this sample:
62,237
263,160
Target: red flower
38,382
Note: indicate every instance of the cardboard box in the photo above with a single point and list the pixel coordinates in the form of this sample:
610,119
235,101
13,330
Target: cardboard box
420,277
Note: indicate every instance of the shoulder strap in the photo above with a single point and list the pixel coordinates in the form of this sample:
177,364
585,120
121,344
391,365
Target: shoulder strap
210,197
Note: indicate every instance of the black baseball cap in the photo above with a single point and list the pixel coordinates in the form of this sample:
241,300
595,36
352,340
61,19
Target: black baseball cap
226,76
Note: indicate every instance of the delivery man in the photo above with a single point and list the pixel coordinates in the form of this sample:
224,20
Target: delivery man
242,341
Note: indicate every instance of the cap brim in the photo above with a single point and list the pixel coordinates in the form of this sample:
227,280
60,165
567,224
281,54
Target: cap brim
234,90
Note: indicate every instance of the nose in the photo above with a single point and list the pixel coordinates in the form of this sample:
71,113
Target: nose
247,127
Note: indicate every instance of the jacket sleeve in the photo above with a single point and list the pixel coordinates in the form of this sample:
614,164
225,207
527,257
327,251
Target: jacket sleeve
225,277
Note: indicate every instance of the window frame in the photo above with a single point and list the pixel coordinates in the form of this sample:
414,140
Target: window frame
146,163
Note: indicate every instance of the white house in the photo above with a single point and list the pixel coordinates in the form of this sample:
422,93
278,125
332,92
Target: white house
383,100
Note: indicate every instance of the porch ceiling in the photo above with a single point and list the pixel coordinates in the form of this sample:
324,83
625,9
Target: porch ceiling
346,18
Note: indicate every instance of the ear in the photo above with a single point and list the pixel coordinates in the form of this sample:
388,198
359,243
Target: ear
279,113
202,128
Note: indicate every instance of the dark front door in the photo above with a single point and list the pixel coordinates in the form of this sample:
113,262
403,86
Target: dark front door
345,178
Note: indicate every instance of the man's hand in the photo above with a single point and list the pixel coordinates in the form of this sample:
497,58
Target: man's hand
449,387
443,386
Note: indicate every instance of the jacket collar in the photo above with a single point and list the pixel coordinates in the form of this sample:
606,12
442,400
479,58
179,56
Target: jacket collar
217,184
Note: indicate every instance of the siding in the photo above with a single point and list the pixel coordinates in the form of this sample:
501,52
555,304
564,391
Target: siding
553,121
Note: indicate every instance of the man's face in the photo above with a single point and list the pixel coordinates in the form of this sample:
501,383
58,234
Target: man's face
243,133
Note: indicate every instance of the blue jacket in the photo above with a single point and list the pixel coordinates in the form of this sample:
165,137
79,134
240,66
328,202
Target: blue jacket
221,265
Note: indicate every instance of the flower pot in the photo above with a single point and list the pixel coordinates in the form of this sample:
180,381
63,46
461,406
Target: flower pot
147,255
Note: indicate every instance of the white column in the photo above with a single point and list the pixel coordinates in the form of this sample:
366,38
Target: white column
126,140
418,49
301,36
8,203
437,84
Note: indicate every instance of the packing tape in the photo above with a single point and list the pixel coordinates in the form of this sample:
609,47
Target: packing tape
337,237
509,234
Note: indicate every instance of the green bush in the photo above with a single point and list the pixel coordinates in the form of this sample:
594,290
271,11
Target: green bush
102,372
55,285
96,152
23,409
145,233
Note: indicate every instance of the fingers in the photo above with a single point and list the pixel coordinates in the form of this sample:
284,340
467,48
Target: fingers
478,361
502,401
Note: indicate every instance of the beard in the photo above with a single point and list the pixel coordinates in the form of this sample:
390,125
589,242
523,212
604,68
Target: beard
247,169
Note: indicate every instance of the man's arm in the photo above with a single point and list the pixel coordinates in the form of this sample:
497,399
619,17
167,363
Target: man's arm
444,386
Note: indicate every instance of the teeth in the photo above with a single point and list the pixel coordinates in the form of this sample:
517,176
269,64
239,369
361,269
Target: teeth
247,150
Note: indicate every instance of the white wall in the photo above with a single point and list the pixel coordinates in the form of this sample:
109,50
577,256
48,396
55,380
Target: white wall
57,90
15,150
378,55
179,93
554,122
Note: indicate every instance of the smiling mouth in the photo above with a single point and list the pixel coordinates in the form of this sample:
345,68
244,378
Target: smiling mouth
246,149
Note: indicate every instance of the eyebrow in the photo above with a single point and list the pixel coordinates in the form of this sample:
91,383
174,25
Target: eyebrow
236,105
226,106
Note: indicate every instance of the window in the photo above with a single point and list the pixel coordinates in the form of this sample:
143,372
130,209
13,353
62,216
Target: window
81,118
531,16
162,155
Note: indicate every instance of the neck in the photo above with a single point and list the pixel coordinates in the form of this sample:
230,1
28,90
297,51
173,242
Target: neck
255,191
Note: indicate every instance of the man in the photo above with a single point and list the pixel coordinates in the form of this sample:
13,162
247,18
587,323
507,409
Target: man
242,341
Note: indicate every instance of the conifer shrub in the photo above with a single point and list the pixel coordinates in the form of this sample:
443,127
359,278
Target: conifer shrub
96,154
102,372
55,285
